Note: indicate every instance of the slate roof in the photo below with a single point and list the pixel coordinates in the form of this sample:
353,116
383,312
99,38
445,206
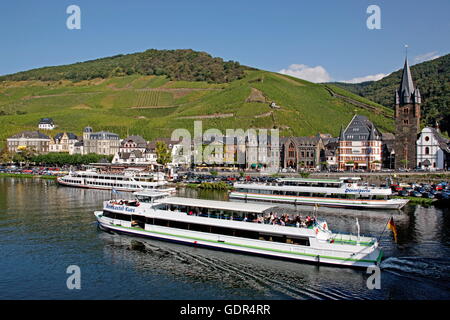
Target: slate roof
103,135
406,92
30,135
360,128
443,142
46,121
140,142
70,135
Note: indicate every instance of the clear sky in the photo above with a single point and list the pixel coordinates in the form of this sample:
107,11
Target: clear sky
316,39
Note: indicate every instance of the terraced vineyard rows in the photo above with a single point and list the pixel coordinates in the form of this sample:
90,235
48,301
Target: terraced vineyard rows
148,98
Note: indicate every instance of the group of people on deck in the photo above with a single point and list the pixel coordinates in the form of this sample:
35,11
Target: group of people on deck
270,218
285,220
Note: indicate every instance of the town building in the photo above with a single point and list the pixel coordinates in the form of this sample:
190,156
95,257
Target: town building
32,140
133,143
329,159
359,146
135,157
407,121
102,142
300,153
46,124
63,142
433,150
387,150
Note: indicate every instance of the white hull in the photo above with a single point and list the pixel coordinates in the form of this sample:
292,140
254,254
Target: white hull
358,256
135,187
326,202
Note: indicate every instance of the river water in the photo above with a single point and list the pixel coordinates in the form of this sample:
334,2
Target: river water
44,228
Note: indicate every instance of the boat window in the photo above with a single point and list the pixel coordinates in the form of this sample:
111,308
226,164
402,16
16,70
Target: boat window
249,234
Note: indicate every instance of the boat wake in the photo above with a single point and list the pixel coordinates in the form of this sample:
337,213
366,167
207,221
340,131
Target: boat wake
236,273
434,268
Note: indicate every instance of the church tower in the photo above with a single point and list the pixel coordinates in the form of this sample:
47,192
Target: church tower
407,121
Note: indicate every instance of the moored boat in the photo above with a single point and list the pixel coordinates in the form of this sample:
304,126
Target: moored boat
129,181
234,226
343,192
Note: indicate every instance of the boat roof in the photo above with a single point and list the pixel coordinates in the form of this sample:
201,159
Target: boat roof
310,180
339,180
151,193
214,204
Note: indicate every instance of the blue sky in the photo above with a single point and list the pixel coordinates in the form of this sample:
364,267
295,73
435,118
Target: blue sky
317,39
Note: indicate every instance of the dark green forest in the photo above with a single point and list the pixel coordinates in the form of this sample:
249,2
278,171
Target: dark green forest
432,78
186,64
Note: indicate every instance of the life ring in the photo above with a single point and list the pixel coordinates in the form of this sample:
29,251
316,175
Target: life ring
349,185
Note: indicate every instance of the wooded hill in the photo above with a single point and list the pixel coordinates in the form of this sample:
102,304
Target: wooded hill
433,79
154,105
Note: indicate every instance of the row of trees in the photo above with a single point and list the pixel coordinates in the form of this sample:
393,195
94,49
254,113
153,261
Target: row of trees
188,65
28,156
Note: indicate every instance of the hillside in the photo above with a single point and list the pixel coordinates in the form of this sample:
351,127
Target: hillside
432,78
153,106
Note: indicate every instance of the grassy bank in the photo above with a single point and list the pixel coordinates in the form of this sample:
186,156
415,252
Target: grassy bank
210,186
20,175
415,200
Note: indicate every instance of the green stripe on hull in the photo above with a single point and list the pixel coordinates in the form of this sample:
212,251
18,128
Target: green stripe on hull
248,246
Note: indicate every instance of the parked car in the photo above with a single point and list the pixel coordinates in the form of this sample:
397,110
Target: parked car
403,193
415,194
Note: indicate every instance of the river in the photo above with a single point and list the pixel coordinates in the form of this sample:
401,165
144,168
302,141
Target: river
44,228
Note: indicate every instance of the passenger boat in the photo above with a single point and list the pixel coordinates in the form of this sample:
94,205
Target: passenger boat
129,181
343,192
234,226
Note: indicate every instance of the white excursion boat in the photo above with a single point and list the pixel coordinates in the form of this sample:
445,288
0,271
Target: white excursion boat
343,192
130,181
235,226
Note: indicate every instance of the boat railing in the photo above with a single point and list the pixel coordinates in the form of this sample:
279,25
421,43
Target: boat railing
258,221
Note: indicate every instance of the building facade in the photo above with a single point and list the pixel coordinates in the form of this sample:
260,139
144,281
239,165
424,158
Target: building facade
360,146
133,143
32,140
299,153
432,150
407,121
46,124
63,142
102,142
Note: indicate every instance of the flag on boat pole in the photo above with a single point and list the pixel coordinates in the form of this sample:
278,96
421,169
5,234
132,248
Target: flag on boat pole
113,191
391,226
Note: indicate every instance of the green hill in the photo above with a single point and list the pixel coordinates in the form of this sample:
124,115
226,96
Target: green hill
153,106
432,78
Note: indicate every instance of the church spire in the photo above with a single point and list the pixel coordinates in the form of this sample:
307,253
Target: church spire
406,89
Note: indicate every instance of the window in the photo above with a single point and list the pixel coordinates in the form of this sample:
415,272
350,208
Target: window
427,150
427,138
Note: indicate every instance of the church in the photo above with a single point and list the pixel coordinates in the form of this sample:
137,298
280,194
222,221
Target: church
414,148
407,121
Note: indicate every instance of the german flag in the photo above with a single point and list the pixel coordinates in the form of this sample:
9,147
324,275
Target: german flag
391,226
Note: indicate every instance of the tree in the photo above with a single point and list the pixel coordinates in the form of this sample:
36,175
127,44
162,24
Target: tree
213,173
304,174
404,162
163,155
5,156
